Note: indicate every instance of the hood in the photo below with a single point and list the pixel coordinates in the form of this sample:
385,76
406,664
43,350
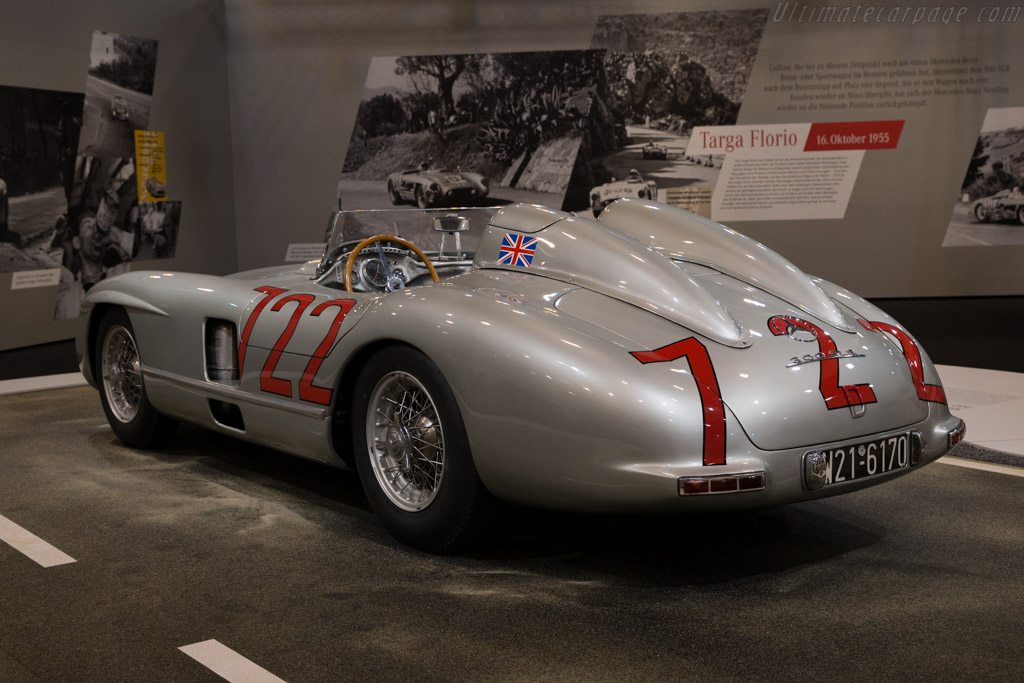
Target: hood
452,179
586,253
624,188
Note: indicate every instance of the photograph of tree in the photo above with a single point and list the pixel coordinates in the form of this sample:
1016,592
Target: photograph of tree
459,130
990,207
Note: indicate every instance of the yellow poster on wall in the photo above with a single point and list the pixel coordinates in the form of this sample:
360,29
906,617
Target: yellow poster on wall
149,164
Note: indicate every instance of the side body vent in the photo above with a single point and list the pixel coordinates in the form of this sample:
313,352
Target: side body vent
221,352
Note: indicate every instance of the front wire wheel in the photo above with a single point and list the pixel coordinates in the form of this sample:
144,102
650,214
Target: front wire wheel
121,373
412,453
118,365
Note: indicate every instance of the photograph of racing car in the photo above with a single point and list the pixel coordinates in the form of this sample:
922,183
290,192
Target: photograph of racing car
505,126
118,94
430,187
642,362
652,150
990,204
633,186
119,108
1006,205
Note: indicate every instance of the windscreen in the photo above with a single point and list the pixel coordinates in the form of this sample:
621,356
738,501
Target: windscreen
415,225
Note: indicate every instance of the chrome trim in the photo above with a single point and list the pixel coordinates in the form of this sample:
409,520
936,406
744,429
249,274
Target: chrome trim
713,477
821,356
233,394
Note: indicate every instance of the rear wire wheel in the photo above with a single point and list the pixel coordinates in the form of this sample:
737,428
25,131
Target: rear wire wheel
412,453
122,389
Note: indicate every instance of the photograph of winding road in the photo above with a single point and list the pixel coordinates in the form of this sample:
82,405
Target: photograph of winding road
664,74
118,94
469,130
38,138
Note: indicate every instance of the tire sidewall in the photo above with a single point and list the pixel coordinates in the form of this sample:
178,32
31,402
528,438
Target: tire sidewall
444,522
148,426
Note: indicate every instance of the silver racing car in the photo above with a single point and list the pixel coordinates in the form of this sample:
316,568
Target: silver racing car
651,360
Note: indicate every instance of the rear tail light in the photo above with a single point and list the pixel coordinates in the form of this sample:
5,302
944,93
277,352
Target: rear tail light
958,434
721,483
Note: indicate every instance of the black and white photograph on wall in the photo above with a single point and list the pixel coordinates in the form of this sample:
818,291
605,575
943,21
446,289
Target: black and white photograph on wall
990,207
38,138
665,74
98,234
463,130
156,230
118,93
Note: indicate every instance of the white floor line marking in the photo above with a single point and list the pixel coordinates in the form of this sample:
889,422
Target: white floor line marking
227,663
32,546
987,466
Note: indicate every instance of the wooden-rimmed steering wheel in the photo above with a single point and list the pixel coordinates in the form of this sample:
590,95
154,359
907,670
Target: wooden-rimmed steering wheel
385,238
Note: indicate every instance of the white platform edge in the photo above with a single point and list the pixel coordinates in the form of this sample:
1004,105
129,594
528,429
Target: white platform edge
997,426
21,386
978,465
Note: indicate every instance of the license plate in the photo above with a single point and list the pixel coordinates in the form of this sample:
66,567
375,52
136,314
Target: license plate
867,459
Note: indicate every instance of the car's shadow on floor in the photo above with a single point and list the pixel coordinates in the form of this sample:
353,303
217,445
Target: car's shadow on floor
684,549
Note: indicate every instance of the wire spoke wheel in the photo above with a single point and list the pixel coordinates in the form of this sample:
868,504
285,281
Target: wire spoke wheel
122,374
413,455
406,441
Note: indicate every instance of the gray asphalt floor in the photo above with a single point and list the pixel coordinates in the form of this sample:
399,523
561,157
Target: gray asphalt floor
282,561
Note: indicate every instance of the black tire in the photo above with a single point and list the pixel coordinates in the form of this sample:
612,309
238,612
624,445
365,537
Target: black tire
981,213
421,199
1020,214
122,389
396,198
436,509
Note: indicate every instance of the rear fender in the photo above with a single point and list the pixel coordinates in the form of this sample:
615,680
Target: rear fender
550,402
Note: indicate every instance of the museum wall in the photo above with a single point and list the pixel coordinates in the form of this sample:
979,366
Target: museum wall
298,70
259,104
45,46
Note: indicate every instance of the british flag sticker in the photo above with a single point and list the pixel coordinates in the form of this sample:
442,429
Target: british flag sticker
516,250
